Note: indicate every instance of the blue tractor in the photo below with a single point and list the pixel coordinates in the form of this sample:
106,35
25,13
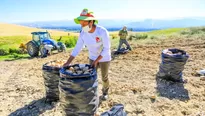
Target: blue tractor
42,42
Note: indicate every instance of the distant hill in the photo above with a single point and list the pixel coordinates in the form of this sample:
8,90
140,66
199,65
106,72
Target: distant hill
161,24
70,23
15,30
117,24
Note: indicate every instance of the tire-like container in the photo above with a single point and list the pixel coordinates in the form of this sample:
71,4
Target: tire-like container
117,110
51,79
121,51
79,90
172,65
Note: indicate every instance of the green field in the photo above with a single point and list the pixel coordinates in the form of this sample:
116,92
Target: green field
7,42
14,57
10,44
166,31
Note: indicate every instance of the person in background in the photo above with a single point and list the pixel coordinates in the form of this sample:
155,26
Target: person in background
123,35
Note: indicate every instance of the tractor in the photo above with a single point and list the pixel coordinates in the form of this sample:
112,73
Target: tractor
43,43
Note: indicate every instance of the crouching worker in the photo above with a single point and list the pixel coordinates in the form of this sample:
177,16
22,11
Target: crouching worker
123,35
96,39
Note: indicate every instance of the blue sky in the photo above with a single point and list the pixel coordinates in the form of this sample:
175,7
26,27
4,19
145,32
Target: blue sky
46,10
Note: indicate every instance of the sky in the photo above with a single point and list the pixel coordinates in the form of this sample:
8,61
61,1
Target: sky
12,11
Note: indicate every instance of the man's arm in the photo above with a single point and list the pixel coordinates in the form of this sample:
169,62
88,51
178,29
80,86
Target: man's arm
126,33
70,59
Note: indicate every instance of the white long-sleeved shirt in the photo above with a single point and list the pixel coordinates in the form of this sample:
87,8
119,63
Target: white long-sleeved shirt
98,43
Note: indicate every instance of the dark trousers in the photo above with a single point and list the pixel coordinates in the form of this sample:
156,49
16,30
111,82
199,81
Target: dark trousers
123,41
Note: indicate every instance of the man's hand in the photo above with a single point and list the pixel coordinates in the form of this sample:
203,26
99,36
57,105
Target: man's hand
94,64
66,64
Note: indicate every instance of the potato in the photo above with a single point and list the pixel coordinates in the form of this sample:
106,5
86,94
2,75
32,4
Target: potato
86,72
76,68
79,72
69,71
85,69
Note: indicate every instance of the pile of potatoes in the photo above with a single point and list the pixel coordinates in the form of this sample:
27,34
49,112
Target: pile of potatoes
77,70
168,52
57,63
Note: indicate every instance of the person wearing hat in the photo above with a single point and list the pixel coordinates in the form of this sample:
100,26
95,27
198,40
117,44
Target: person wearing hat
123,35
96,39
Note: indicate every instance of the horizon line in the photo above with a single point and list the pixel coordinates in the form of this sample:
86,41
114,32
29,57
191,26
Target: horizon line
174,18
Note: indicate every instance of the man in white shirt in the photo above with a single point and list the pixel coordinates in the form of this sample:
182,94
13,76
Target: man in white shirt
96,39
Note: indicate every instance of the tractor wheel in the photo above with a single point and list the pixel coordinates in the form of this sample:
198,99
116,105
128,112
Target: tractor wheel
43,51
62,47
32,49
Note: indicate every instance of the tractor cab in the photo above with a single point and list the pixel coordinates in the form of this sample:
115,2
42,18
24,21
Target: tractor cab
42,38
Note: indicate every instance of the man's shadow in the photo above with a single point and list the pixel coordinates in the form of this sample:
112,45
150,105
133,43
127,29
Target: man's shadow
171,90
35,108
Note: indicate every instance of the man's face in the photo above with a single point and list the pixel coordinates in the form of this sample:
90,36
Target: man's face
85,23
124,28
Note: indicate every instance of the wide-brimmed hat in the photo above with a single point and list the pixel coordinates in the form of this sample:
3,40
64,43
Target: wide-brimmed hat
85,15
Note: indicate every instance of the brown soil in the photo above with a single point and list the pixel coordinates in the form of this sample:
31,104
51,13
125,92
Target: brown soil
132,78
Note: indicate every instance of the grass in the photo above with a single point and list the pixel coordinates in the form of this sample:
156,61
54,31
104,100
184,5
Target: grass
114,42
165,31
147,37
69,41
10,44
13,42
11,36
11,57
